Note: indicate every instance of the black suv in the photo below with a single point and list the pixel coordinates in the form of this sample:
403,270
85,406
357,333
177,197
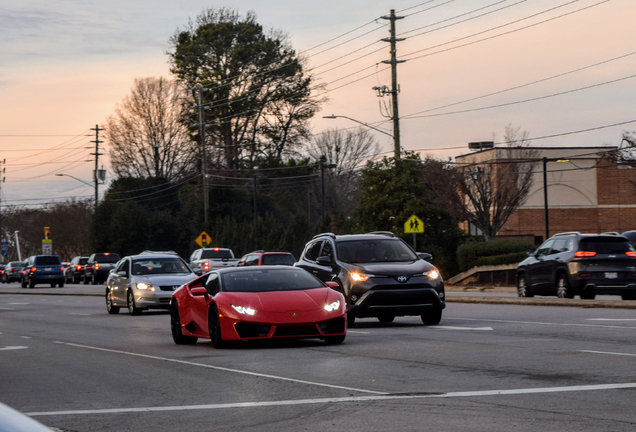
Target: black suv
98,267
572,263
379,275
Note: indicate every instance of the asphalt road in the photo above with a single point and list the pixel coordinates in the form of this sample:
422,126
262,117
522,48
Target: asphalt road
68,364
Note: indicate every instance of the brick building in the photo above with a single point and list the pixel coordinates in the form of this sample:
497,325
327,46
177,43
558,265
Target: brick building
587,191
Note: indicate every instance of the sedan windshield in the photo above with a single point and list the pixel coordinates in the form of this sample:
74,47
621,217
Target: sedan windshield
267,280
150,266
380,250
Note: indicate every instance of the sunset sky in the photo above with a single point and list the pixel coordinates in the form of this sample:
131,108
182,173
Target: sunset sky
551,67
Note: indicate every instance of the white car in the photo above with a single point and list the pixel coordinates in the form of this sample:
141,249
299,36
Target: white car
145,281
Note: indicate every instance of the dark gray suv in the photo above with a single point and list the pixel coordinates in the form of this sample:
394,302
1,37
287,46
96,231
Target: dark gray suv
378,274
572,263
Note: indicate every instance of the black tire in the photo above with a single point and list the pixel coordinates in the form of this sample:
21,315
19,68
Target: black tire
175,327
351,320
385,319
333,340
24,283
85,280
112,309
630,295
94,279
588,296
53,284
31,283
523,290
563,287
214,328
132,309
432,317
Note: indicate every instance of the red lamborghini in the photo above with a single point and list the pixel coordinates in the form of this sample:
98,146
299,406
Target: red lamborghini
243,303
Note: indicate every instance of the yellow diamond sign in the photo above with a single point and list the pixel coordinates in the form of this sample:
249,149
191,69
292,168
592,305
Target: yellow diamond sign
203,240
414,225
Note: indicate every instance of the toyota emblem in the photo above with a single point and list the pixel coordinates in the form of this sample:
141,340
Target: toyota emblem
402,279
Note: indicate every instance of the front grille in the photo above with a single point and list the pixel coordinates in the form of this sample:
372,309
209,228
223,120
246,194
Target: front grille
333,326
402,286
296,331
168,287
250,330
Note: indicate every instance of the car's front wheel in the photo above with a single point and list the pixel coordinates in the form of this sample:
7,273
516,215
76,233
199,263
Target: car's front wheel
563,287
132,309
432,317
110,307
631,295
522,287
385,319
214,327
175,327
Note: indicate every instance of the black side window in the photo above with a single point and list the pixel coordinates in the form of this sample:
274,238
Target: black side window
544,249
212,284
313,251
558,246
327,250
252,260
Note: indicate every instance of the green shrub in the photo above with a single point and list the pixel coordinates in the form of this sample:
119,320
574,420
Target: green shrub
468,254
510,258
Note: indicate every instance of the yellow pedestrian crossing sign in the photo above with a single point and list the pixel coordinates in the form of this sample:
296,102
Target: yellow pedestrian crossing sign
203,240
414,225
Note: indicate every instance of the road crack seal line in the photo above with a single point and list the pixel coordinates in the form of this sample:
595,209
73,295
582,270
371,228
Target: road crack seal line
220,368
336,400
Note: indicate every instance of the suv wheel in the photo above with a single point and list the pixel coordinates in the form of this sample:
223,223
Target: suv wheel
563,287
522,287
629,295
432,317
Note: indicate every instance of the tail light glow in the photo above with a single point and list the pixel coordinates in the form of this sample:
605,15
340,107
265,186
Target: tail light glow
581,254
78,267
206,266
96,266
631,253
34,268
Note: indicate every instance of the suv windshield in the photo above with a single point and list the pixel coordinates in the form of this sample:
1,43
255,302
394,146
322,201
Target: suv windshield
211,253
148,266
47,260
605,245
380,250
107,258
269,280
278,259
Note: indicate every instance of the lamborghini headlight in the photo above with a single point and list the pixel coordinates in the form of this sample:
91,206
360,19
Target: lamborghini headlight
244,310
332,306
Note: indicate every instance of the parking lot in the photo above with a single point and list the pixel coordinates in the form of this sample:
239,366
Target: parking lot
71,366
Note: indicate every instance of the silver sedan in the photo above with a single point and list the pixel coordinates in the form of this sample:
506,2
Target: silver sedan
145,281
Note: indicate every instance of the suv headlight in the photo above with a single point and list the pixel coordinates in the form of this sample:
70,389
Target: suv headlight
359,277
433,274
145,286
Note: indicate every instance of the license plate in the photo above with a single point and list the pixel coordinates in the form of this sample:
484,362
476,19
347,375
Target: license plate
48,269
611,275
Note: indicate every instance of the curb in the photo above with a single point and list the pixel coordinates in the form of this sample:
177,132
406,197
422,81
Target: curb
525,301
55,293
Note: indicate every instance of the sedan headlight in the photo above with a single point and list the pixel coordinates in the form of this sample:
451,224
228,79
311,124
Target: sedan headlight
433,274
145,286
332,306
244,310
359,277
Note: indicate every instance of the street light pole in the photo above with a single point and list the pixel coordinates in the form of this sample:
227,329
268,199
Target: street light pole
256,178
545,198
322,182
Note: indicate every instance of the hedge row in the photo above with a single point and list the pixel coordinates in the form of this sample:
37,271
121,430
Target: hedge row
498,252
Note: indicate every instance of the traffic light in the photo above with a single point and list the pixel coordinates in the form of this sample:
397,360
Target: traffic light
47,230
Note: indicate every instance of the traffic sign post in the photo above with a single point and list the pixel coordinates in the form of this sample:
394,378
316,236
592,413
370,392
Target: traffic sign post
414,225
203,240
47,247
5,249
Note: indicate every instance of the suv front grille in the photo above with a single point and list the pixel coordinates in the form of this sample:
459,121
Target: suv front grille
402,286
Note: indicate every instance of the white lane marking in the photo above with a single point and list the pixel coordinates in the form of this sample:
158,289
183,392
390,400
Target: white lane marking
256,374
26,337
3,308
80,314
15,303
357,332
607,352
544,323
338,400
611,319
9,348
461,328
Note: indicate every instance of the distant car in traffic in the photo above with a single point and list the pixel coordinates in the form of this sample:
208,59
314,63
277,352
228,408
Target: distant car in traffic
260,257
12,272
43,269
207,259
2,273
74,273
98,267
571,263
245,303
145,281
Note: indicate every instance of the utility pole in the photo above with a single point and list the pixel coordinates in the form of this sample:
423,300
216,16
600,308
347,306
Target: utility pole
2,178
256,178
394,85
204,161
322,182
97,154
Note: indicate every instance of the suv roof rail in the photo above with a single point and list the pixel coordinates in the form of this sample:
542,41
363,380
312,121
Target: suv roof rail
567,233
170,252
610,233
329,234
384,233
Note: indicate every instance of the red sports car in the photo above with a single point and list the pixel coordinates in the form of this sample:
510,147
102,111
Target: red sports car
243,303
